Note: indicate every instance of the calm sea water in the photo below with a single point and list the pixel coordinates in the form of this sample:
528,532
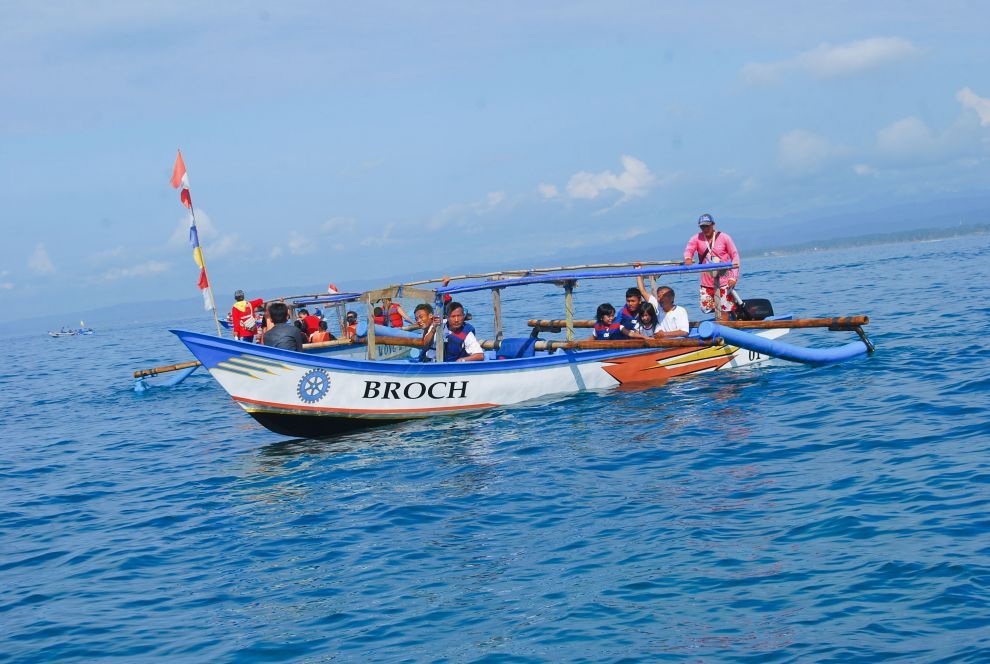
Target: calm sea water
784,513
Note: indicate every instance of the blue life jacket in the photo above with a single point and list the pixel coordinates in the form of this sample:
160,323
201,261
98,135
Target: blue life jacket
608,332
627,319
453,348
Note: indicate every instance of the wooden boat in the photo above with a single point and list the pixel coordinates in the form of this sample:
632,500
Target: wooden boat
301,394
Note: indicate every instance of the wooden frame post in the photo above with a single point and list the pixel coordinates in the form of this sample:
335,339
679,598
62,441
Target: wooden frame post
497,312
439,343
372,348
569,308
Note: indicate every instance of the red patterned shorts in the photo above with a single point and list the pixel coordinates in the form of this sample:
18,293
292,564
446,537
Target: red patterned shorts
707,302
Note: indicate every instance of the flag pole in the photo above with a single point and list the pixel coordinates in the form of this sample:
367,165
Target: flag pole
180,181
209,284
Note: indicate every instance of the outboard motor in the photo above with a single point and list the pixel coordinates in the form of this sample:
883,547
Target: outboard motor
754,309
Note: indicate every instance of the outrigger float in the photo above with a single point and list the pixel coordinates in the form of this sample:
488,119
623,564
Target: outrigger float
340,386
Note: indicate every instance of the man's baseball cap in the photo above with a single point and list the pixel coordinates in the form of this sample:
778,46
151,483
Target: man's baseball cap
706,220
238,293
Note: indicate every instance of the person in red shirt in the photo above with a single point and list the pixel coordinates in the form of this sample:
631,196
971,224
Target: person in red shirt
242,316
311,322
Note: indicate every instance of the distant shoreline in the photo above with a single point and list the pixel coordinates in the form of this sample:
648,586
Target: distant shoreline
873,239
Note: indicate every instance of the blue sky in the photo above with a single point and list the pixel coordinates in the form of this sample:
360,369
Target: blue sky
332,141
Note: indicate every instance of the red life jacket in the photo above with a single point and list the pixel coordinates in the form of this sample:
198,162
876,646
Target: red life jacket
380,320
394,318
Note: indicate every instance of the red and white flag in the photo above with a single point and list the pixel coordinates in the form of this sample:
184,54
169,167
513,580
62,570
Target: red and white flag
180,180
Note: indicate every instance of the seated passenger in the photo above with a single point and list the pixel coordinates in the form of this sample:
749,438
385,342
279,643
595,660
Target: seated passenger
396,315
311,323
675,319
283,334
647,323
460,343
627,317
321,334
351,321
379,316
260,325
606,327
428,323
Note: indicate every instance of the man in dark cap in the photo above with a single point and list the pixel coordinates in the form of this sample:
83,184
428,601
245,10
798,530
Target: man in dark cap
713,246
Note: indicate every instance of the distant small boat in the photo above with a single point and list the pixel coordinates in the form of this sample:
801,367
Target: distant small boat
83,329
63,333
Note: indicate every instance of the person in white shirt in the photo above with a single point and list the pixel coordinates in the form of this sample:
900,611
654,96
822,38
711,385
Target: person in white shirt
675,319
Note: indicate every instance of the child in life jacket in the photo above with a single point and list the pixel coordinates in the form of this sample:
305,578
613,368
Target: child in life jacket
606,327
321,334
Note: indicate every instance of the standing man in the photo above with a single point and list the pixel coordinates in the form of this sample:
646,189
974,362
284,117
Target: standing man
242,316
714,247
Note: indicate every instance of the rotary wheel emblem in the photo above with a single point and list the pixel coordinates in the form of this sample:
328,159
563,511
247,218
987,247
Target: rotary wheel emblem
313,386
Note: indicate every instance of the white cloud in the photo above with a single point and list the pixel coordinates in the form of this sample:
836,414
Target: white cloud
146,269
300,245
214,243
908,138
107,255
224,245
575,242
380,240
864,169
276,252
801,152
548,191
39,262
975,102
339,225
828,61
6,285
204,228
634,181
464,214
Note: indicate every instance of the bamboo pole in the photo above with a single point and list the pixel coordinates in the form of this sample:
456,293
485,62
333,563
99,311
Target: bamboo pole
840,323
541,270
586,344
328,344
144,373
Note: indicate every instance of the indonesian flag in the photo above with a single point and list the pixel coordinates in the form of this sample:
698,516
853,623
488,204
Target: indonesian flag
180,180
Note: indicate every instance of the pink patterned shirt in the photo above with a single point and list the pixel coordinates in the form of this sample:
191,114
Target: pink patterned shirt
724,252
